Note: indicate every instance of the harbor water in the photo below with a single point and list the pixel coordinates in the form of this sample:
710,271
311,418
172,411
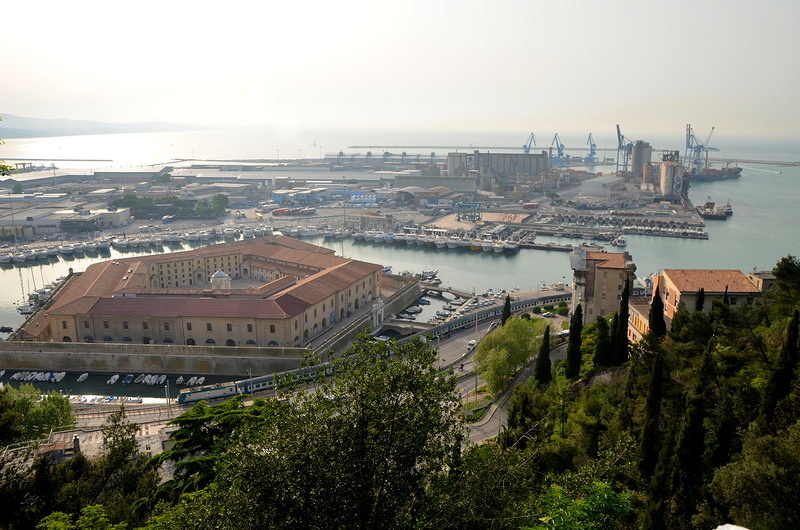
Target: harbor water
762,230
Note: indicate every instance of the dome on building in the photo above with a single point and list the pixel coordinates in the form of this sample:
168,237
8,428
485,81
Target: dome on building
220,280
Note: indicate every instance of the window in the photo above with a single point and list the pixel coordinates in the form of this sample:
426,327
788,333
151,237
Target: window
145,325
105,324
272,328
86,324
188,326
249,328
166,326
124,324
230,327
63,324
208,326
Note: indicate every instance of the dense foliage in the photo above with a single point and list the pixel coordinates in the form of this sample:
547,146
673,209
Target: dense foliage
25,414
148,207
696,428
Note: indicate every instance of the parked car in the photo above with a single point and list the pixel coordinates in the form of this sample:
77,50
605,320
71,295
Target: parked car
471,344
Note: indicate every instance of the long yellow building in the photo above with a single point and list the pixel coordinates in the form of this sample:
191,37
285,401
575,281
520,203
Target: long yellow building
271,291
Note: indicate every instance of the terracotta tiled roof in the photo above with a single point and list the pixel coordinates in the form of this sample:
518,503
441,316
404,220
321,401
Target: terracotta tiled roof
710,280
322,273
607,260
199,307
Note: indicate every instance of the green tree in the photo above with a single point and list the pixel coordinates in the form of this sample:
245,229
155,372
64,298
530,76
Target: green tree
91,518
219,202
780,383
506,311
502,353
602,339
649,445
689,463
761,488
35,414
700,301
10,419
353,452
619,328
658,326
543,371
573,365
494,367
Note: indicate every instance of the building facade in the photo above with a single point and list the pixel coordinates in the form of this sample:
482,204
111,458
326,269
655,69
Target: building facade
676,286
598,280
272,291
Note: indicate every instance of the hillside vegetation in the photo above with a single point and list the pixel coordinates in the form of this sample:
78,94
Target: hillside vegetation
695,426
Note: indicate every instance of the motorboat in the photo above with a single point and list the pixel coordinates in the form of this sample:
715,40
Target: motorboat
139,378
58,377
179,380
161,379
128,379
200,380
192,380
83,377
113,379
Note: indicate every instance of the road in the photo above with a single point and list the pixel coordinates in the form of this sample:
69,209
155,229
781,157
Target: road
453,352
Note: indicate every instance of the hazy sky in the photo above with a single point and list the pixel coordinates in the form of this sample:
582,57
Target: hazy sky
532,65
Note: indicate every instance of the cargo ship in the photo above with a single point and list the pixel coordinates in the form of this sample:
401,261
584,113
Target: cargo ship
710,174
710,211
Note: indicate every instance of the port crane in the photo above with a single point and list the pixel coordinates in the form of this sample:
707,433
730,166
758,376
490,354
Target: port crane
624,150
559,159
592,158
696,156
527,147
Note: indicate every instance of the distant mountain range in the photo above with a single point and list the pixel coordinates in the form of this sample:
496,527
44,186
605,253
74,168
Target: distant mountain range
20,127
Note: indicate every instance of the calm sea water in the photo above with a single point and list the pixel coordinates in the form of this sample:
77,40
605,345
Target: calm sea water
763,229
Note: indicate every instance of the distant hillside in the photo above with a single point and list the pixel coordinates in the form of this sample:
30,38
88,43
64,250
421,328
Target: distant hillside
20,127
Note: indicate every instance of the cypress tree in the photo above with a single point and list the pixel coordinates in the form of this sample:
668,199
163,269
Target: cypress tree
602,348
689,465
780,384
725,299
649,446
700,301
573,366
619,339
543,370
506,311
658,326
680,319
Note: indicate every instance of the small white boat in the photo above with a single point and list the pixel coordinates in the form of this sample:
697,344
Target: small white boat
83,377
113,379
192,380
58,377
139,378
200,380
161,379
179,380
146,380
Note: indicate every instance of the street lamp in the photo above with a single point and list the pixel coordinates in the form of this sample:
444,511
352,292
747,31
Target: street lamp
166,396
